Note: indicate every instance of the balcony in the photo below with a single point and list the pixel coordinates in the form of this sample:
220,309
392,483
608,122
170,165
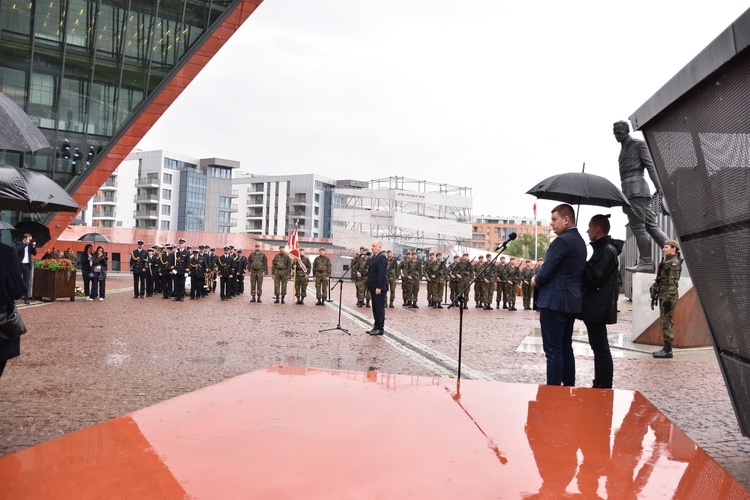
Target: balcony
105,200
146,198
104,214
297,201
254,215
147,182
234,194
256,189
145,214
233,208
255,201
109,184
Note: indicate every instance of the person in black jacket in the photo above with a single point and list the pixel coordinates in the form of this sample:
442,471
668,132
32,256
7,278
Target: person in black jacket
24,251
599,296
88,254
377,285
12,287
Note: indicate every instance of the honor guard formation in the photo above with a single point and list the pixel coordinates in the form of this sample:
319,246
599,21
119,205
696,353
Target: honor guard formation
165,270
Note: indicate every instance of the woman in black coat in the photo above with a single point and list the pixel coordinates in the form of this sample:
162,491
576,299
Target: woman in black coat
88,254
599,296
99,271
12,288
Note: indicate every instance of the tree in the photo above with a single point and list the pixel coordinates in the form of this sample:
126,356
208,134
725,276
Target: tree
523,246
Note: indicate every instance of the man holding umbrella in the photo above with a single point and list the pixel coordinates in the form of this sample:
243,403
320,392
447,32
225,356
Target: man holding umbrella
558,285
25,249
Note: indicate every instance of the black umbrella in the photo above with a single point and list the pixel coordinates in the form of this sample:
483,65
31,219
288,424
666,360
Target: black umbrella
95,237
38,231
578,188
28,191
17,131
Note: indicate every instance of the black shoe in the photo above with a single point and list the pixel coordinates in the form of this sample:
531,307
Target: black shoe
276,299
375,332
253,299
665,352
477,305
439,306
26,301
414,305
513,308
390,306
282,299
367,304
505,306
135,296
488,308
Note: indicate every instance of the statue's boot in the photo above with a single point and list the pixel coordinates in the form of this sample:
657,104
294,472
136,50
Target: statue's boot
643,266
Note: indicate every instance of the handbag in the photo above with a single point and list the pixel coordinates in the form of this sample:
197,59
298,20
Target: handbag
12,326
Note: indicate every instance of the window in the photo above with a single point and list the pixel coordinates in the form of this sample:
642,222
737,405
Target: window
225,202
221,173
167,178
316,210
223,229
315,224
166,210
164,225
224,217
166,194
317,198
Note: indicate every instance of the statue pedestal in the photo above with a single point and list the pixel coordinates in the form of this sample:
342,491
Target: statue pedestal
690,326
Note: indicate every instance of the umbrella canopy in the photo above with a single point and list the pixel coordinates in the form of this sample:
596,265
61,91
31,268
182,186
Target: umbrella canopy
580,188
5,225
28,191
17,131
38,231
95,237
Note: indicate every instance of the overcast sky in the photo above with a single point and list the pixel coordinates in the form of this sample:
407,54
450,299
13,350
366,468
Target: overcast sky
487,94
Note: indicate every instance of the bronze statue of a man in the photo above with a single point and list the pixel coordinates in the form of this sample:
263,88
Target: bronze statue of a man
634,159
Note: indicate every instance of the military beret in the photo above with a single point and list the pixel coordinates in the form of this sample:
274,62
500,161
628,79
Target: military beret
672,243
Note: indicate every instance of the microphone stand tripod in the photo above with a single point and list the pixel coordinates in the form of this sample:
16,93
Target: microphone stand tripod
340,284
460,301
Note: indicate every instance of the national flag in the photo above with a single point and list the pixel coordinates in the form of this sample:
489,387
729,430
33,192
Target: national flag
292,246
534,210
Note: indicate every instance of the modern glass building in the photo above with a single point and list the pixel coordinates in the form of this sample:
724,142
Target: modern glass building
95,75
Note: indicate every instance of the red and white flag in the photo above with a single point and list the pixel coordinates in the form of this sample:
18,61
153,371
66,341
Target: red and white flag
534,210
292,246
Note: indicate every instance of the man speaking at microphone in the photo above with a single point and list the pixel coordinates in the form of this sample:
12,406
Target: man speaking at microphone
377,284
558,285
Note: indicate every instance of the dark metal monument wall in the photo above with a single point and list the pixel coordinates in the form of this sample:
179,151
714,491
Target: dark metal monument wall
701,149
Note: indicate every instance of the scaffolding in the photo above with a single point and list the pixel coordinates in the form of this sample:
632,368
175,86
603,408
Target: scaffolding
405,213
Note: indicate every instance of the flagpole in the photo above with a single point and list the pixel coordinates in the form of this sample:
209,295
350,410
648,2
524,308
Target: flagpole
536,236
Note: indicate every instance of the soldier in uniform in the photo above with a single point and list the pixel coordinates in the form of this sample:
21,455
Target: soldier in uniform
138,270
225,266
233,283
536,270
166,270
149,263
501,271
453,279
156,268
359,274
479,284
213,260
281,266
405,270
301,268
440,273
511,280
181,257
430,268
241,270
526,274
464,273
489,279
668,279
197,271
416,281
322,274
258,265
392,274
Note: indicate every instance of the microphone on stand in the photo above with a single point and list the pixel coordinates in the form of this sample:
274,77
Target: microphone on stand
504,244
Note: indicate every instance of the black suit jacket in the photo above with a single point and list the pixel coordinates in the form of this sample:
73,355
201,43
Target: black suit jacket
377,276
20,246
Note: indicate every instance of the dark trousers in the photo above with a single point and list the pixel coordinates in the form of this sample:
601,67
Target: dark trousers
602,356
557,341
225,287
378,309
26,273
139,284
196,286
149,284
97,287
179,284
86,283
166,285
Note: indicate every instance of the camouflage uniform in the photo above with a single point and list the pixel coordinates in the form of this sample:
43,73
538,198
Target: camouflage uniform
415,282
511,273
430,272
669,277
392,272
526,275
359,275
257,263
500,270
453,280
465,273
406,269
322,273
281,267
479,284
301,278
442,273
489,286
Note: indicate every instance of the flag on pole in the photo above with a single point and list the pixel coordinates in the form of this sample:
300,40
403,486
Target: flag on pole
292,246
534,210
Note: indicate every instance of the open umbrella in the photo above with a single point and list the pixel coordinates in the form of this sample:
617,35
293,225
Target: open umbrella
17,131
28,191
5,225
578,188
95,237
38,231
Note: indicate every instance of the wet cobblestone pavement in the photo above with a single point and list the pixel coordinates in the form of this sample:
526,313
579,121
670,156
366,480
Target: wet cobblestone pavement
84,362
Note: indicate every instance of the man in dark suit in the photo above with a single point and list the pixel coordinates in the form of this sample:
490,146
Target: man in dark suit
377,284
12,287
24,250
558,290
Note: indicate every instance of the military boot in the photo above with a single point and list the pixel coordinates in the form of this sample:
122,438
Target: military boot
390,305
414,304
643,266
666,351
252,299
282,299
367,302
488,307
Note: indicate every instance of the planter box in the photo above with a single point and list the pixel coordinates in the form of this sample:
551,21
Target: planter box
53,285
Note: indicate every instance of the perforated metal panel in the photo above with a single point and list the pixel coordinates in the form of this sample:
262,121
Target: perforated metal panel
701,149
